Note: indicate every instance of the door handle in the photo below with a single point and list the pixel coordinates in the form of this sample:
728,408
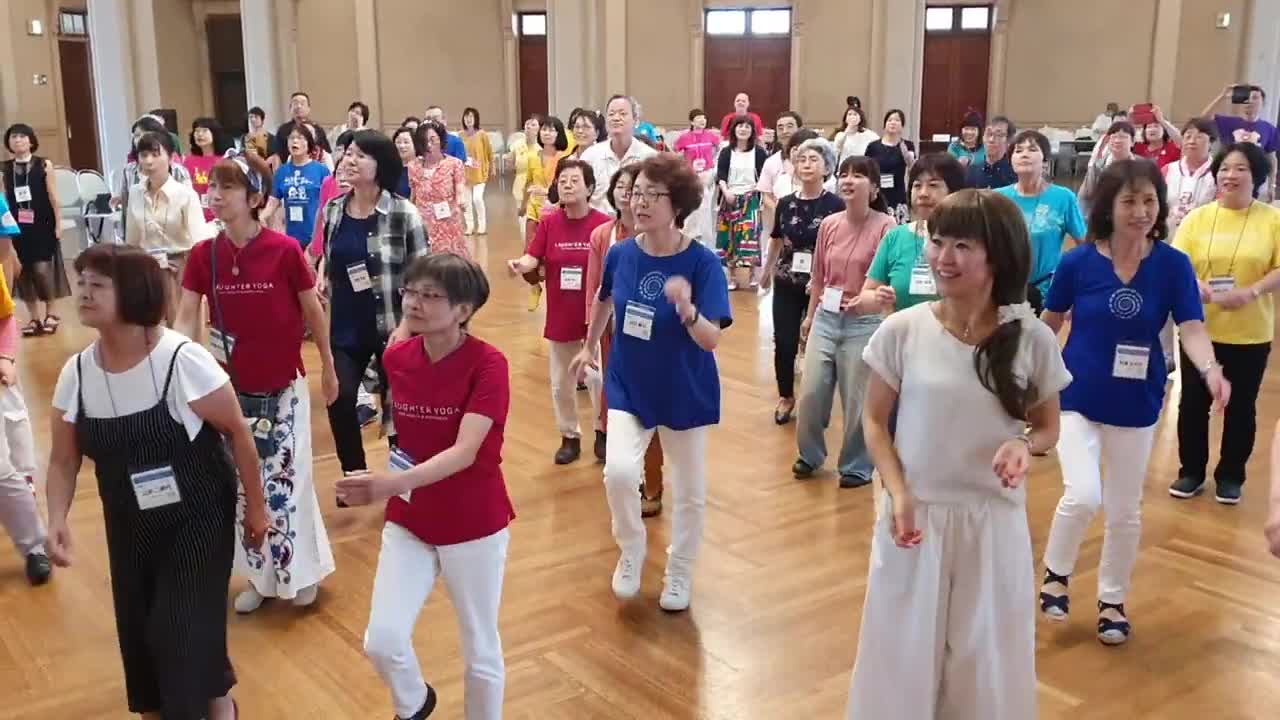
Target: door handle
68,132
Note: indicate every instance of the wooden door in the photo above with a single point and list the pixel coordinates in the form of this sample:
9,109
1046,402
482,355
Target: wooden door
956,69
77,99
226,72
534,93
760,66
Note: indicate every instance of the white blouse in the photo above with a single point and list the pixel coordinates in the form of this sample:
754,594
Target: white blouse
170,219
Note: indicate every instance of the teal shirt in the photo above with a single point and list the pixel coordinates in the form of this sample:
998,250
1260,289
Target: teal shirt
960,152
901,250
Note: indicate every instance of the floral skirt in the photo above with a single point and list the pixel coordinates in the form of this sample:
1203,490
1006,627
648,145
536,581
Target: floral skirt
738,231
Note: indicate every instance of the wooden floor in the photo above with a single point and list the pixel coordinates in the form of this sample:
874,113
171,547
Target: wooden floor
773,629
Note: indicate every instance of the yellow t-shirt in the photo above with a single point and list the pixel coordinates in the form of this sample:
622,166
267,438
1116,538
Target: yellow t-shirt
541,174
6,300
1241,244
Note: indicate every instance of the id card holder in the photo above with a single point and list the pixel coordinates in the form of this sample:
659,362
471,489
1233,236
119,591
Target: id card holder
802,262
204,201
441,210
401,462
638,321
1131,361
22,193
922,281
161,256
886,182
26,217
358,273
222,345
570,278
295,213
155,488
1221,284
831,299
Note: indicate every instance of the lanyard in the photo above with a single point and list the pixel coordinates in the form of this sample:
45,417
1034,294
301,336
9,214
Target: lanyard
1208,253
106,379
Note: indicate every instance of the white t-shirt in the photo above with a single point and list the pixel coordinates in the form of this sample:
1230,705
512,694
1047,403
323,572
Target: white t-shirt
1188,189
195,375
604,163
945,461
742,171
855,144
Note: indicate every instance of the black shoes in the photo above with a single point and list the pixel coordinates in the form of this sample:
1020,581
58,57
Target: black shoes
854,481
601,444
570,450
428,707
802,470
1113,625
38,568
1227,492
1187,486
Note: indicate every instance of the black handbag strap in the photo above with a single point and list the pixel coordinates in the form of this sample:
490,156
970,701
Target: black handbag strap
218,324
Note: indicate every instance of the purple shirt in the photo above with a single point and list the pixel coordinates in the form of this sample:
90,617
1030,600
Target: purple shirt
1232,128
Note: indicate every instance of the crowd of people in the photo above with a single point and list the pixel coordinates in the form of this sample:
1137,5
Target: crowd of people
366,244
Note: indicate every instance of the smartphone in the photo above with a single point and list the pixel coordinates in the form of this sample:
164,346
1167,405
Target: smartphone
1142,115
1240,94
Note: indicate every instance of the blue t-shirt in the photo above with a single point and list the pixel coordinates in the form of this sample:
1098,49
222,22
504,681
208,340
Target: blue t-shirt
402,188
298,188
354,322
456,148
8,223
1106,313
666,380
1051,217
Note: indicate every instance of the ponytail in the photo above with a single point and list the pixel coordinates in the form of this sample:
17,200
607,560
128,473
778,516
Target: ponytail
993,360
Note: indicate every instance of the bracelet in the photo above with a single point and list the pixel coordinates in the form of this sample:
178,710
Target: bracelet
1210,367
10,359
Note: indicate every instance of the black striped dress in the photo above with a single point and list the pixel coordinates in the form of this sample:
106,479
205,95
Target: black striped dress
170,565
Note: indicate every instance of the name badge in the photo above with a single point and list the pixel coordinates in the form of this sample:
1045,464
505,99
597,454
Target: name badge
441,210
359,275
1222,284
831,299
1131,362
22,193
221,345
204,202
26,217
922,281
570,278
295,213
155,488
401,462
886,182
802,262
161,256
638,322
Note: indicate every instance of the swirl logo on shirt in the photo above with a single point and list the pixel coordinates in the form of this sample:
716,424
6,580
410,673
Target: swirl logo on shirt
651,285
1125,303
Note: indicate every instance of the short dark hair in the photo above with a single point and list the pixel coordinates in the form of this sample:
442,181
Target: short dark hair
1010,128
344,139
569,163
630,170
631,102
299,93
695,113
255,110
562,138
474,113
411,133
1035,136
595,118
411,119
146,123
1123,126
229,172
462,281
1118,176
1204,125
973,120
305,132
154,142
22,129
870,169
733,131
420,136
140,285
364,109
798,139
383,151
791,114
1258,89
221,141
682,183
1259,165
902,116
942,165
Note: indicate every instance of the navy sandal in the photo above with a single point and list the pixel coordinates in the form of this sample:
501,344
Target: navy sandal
1113,632
1055,607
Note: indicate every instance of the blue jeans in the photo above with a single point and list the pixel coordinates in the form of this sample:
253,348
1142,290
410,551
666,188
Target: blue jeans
833,361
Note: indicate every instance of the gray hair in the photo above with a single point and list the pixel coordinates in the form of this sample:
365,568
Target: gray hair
825,149
635,106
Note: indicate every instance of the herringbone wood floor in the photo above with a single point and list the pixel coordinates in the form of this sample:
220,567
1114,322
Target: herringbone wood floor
773,629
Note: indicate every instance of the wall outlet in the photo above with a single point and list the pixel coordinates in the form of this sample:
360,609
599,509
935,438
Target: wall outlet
1224,20
39,79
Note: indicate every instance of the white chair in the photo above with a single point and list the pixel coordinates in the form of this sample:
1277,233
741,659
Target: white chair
670,137
92,185
69,207
499,145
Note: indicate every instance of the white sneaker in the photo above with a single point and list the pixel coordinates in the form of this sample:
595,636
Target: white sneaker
626,576
306,596
676,590
248,601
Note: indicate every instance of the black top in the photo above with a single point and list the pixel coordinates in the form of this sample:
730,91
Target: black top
37,240
893,164
985,175
796,224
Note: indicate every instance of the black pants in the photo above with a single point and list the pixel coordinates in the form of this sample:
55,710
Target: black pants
789,305
1243,366
350,364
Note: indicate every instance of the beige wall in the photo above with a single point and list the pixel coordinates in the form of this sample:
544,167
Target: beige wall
660,60
327,69
835,58
23,56
180,66
1208,58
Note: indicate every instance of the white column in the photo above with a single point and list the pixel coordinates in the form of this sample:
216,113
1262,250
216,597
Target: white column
1261,64
567,31
615,48
262,71
511,65
113,81
901,65
146,60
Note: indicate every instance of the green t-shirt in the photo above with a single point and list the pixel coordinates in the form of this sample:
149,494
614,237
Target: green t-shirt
901,250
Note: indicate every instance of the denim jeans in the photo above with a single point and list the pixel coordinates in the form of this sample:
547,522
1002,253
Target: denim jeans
833,361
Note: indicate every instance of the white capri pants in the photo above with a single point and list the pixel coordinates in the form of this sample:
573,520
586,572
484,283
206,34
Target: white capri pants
18,511
473,209
564,389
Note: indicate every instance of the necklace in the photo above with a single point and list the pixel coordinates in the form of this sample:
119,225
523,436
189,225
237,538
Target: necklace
106,376
235,252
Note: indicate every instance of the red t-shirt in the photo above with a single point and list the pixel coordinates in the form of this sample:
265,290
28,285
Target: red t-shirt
563,244
428,401
259,306
1166,154
200,166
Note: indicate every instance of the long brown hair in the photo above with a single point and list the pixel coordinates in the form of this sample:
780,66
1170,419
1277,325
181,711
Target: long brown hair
995,221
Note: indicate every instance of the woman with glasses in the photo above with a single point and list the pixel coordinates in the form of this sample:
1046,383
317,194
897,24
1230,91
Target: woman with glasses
561,247
1116,145
438,182
586,128
671,304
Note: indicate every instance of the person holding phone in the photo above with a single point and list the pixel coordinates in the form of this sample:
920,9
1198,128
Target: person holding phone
1160,140
1245,124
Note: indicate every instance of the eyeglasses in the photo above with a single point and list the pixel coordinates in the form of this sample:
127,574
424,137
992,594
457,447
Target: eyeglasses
649,197
421,295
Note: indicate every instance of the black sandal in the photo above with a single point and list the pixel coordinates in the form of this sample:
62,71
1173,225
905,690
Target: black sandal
782,418
1055,607
33,328
52,323
1113,632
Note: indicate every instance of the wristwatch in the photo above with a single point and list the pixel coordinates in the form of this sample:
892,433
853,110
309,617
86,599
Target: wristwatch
1208,368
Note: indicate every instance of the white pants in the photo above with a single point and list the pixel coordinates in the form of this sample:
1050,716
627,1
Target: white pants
948,626
1084,449
685,453
18,511
564,389
407,572
473,209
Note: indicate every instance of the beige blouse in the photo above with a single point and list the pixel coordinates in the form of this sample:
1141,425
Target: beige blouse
169,220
